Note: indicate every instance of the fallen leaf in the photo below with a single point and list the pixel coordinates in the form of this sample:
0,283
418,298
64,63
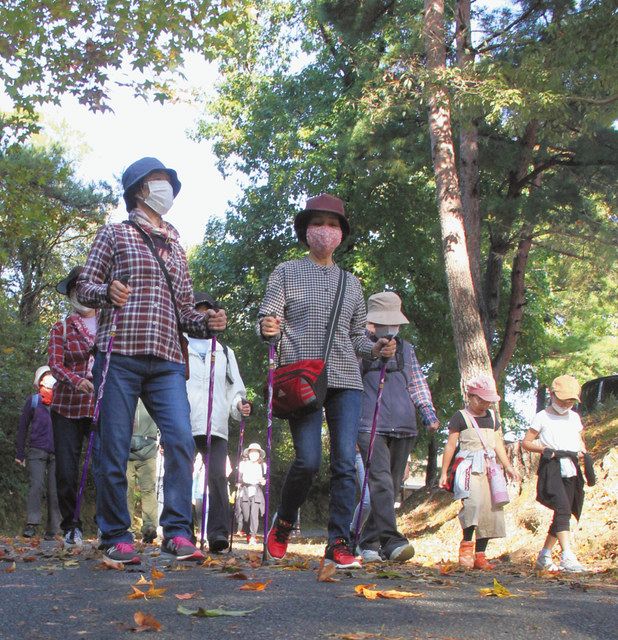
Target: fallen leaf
498,590
446,568
184,596
145,622
255,586
298,565
137,594
143,580
156,575
326,571
389,575
209,562
28,559
155,593
361,635
11,568
255,560
239,575
367,591
212,613
108,564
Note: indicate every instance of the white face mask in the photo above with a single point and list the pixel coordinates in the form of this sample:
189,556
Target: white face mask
48,382
383,331
80,308
160,197
558,409
254,456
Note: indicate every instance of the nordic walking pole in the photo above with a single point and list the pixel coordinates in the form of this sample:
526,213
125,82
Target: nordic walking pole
269,434
241,437
211,388
124,279
372,437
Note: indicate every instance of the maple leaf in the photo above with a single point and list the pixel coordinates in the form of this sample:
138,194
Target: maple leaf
255,586
145,622
143,580
137,594
209,562
153,592
156,575
107,564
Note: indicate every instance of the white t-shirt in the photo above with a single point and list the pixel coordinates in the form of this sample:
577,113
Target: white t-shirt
560,433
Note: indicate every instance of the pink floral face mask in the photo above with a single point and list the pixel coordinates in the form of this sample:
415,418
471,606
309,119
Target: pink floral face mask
323,239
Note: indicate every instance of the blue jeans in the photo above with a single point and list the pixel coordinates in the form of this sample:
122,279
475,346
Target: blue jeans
161,386
342,407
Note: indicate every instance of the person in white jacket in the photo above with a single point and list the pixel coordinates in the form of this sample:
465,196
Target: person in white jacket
228,401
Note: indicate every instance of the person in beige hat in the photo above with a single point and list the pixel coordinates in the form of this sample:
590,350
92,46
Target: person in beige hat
251,496
405,392
556,433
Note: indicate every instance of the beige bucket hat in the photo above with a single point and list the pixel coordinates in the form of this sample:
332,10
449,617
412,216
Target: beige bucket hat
385,308
254,446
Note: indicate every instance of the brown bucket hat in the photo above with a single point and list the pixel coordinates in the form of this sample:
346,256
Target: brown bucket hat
324,203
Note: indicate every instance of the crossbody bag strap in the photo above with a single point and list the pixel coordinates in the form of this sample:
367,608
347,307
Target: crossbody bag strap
335,312
148,242
470,420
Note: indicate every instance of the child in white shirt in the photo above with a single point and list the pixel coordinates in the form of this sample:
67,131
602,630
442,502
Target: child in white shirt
558,428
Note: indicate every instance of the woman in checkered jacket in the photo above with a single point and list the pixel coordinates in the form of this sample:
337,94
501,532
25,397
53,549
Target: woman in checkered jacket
295,312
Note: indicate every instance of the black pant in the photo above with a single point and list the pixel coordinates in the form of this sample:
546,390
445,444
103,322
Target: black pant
218,501
69,436
562,515
387,467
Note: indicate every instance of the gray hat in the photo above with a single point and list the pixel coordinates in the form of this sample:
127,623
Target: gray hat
385,308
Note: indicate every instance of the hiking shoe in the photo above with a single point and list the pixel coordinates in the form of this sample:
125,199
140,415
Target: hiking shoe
217,545
341,554
122,552
74,538
29,531
571,564
181,549
149,535
402,553
49,535
466,554
277,539
481,562
369,555
545,563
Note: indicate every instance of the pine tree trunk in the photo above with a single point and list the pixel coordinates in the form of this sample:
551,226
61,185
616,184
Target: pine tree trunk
470,345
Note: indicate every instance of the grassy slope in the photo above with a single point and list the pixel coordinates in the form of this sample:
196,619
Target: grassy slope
432,522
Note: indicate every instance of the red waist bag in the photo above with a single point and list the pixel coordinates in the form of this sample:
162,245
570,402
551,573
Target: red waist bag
299,388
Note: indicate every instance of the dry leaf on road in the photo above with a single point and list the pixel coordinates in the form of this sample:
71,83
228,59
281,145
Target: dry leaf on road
184,596
367,591
498,591
145,622
326,571
255,586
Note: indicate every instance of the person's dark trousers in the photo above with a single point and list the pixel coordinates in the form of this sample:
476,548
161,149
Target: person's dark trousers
69,437
400,449
40,463
562,517
380,531
218,501
162,387
342,408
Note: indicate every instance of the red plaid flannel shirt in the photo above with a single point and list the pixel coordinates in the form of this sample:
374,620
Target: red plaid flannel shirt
70,359
147,323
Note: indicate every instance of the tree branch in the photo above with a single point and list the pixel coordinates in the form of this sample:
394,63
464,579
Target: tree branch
482,47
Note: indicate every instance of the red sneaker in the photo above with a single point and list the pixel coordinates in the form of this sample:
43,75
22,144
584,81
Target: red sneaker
340,553
277,540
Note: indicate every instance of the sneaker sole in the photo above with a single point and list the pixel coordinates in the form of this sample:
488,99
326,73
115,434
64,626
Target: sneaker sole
406,554
196,555
133,560
357,564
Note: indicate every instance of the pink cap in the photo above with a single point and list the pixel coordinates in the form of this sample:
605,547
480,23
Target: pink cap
484,387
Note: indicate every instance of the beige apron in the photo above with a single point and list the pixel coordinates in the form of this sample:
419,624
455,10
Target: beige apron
477,509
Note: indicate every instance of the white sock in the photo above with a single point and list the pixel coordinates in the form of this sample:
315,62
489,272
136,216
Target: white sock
568,555
545,553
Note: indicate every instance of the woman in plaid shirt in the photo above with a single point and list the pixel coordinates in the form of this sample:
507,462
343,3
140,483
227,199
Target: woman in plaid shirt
147,360
295,311
70,350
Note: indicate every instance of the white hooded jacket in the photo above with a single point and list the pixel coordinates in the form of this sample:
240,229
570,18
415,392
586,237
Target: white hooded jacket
226,395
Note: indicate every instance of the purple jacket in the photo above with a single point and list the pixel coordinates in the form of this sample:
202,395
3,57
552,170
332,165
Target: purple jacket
40,424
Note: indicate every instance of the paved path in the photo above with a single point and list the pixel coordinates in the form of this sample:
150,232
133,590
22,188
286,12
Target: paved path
52,596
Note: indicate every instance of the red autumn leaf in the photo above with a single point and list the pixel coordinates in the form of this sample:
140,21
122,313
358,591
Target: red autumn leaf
255,586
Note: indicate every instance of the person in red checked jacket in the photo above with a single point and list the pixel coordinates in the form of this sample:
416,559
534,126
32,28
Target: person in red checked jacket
70,351
147,362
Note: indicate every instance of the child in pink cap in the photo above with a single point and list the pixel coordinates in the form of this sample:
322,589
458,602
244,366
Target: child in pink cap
478,516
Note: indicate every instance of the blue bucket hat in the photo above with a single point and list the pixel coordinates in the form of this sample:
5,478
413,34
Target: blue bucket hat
139,170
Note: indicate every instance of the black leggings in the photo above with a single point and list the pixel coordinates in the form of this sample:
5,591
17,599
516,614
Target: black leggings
481,543
562,515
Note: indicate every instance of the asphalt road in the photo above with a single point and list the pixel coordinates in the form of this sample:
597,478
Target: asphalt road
53,596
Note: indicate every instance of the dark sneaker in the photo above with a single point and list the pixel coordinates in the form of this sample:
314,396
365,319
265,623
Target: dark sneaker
122,552
29,531
149,535
341,554
277,540
49,535
74,538
181,549
217,545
